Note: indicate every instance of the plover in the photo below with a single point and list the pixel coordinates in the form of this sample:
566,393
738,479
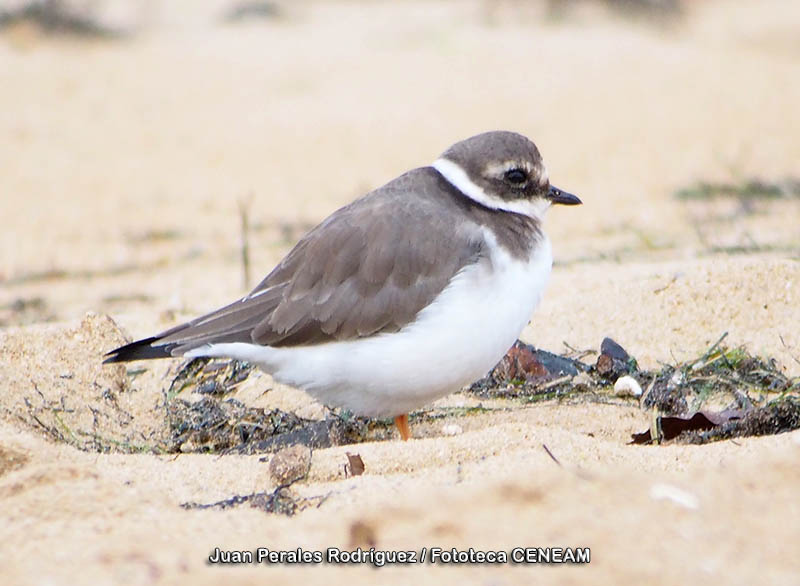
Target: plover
401,297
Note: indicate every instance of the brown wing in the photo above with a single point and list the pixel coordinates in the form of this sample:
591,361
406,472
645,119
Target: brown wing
369,268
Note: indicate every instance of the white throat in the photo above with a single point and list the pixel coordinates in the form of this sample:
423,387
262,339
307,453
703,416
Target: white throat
458,178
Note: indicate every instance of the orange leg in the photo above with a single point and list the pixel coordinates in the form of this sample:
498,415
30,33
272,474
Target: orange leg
401,421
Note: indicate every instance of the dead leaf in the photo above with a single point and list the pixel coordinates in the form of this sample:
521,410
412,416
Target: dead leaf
671,427
355,465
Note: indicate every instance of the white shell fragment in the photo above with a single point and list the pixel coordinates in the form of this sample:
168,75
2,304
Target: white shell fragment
626,386
680,497
451,429
676,380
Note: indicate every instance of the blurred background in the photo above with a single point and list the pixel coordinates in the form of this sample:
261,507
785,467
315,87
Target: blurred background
136,136
143,141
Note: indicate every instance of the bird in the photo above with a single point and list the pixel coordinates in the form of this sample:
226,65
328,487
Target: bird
401,297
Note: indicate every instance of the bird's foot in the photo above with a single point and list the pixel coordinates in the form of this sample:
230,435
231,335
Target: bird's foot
401,421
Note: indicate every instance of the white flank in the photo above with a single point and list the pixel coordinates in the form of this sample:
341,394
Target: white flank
457,177
453,341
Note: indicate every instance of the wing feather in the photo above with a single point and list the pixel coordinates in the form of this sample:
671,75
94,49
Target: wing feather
349,290
371,267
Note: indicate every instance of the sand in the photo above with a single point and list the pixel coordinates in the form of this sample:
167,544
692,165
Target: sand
123,167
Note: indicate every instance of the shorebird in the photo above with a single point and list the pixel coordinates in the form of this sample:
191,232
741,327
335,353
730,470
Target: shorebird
401,297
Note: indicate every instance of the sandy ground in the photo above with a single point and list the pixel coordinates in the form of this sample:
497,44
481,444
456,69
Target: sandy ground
123,165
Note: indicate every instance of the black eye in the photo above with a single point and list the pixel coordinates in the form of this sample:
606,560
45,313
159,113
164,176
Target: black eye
516,176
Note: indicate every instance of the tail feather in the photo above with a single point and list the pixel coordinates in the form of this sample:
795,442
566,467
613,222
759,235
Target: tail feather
139,350
180,339
232,323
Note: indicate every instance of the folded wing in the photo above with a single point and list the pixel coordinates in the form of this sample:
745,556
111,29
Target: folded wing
369,268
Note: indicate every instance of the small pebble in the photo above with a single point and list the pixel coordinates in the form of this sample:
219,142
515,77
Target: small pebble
362,534
627,386
289,465
452,429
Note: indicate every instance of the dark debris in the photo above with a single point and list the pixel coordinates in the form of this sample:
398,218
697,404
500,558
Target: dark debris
280,501
208,376
57,17
722,380
674,390
24,311
749,395
225,425
253,10
775,417
665,428
209,425
333,431
355,465
750,189
527,372
613,362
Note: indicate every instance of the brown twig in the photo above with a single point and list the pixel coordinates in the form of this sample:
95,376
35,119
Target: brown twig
549,453
244,217
713,348
780,337
667,286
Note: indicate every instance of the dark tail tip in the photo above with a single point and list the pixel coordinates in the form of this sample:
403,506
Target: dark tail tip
139,350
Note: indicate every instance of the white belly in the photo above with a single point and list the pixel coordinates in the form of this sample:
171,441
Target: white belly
455,340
